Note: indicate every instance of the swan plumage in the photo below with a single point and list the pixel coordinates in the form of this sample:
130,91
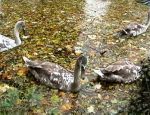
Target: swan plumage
135,29
122,71
7,43
56,76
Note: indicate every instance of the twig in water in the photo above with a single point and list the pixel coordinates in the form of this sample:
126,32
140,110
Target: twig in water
102,52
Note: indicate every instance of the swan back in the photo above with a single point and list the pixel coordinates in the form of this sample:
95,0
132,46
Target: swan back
121,71
52,74
135,29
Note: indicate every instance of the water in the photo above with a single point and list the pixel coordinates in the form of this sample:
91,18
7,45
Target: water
56,27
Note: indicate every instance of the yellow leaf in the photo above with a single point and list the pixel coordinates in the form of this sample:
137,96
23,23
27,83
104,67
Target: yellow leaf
73,63
18,101
61,93
6,75
66,107
4,88
22,71
68,47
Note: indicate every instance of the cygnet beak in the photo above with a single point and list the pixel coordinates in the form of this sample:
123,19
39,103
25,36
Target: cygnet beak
25,33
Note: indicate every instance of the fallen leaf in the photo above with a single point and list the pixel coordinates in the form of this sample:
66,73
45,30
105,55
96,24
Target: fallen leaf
18,101
61,93
114,101
4,88
78,50
99,96
69,48
106,97
44,102
92,37
6,75
22,71
92,53
66,107
72,95
90,109
97,86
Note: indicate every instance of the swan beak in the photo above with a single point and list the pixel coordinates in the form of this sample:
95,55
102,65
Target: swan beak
26,35
25,32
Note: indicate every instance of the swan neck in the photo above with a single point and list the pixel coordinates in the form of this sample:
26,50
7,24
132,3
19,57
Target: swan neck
77,73
148,20
17,37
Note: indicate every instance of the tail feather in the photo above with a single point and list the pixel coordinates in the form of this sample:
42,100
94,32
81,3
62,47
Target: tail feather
26,60
98,72
30,63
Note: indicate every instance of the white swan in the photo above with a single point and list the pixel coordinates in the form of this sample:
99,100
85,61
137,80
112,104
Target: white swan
7,43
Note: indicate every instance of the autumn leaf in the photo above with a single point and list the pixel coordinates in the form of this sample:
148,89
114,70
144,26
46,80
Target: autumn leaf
72,95
78,51
66,107
114,101
72,64
106,97
6,75
22,71
61,94
69,48
44,102
18,101
4,88
97,86
90,109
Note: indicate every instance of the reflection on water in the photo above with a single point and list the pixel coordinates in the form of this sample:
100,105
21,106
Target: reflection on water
90,41
95,8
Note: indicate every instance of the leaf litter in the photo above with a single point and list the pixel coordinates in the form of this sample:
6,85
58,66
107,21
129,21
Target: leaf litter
67,29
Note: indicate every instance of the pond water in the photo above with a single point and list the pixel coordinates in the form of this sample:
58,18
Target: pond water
57,28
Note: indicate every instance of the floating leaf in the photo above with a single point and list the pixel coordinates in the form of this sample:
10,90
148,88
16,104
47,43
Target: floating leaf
66,107
4,88
97,86
114,101
22,71
99,96
106,97
90,109
6,75
69,48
